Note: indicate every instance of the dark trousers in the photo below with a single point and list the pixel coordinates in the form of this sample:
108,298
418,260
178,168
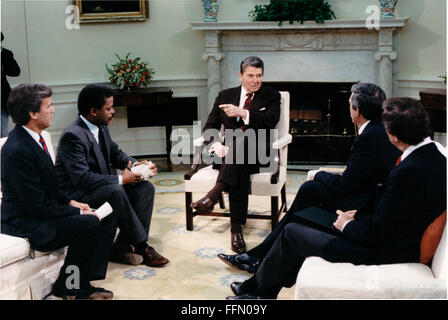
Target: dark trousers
89,243
236,175
133,206
295,242
311,193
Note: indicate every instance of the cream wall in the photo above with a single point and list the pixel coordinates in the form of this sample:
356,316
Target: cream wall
68,59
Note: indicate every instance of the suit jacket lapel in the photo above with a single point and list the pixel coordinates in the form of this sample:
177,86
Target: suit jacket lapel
106,137
96,148
257,99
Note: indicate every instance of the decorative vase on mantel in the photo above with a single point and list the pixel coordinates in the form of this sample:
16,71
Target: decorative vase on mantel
388,8
211,10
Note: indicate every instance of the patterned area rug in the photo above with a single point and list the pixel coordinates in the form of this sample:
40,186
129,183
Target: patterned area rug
174,181
194,271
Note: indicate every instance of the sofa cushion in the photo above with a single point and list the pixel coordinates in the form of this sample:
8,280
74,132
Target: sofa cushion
12,249
320,279
431,238
440,260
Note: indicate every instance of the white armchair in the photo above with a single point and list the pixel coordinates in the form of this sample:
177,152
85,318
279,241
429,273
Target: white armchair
268,183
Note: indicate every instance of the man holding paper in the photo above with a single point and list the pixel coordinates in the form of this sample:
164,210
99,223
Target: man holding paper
34,207
86,163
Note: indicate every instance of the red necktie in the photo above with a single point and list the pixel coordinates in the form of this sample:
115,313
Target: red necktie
248,101
44,145
398,161
246,107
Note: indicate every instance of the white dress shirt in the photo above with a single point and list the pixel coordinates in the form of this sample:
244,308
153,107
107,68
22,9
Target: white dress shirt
361,128
34,135
243,98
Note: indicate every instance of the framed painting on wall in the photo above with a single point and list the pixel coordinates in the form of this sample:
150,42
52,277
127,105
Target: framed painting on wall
112,10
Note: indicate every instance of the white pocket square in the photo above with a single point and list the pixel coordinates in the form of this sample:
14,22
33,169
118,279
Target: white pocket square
262,109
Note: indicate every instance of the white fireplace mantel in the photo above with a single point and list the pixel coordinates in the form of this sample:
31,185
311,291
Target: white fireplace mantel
271,26
335,51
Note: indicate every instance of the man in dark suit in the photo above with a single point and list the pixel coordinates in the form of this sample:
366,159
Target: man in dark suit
12,69
33,206
86,162
249,107
371,159
414,195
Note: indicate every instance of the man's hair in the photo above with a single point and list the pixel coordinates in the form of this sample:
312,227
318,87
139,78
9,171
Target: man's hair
26,98
93,96
251,62
368,98
407,119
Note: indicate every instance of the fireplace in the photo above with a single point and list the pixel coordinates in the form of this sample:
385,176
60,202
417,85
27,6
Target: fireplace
317,64
320,122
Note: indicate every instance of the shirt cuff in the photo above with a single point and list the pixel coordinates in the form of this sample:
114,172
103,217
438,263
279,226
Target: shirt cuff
346,222
120,180
246,121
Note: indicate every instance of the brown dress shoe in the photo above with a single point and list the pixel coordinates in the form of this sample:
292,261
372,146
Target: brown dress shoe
238,244
152,259
204,205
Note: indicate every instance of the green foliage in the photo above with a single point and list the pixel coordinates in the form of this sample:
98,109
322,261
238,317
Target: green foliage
130,73
293,10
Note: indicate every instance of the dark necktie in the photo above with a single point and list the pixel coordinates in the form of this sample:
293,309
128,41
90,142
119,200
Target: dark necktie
248,101
398,161
246,107
102,143
44,145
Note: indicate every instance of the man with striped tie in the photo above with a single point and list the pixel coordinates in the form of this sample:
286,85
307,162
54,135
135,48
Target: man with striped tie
253,108
33,206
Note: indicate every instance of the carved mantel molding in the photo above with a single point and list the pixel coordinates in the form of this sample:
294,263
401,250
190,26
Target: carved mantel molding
307,26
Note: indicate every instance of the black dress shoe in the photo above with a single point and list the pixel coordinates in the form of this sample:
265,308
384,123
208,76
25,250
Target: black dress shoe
90,293
242,261
204,205
60,291
237,288
237,243
245,296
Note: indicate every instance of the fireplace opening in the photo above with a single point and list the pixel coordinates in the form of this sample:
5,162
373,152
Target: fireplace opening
320,122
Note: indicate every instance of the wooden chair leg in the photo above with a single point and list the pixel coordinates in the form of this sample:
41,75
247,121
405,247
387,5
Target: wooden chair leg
189,211
283,193
222,205
274,211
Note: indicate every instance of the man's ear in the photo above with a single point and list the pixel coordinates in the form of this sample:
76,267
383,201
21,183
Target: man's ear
33,115
92,112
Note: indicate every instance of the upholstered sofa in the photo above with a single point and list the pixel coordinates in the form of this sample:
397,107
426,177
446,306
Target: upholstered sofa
26,273
320,279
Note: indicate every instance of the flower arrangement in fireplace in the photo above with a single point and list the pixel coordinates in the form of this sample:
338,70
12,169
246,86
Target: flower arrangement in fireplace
130,73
